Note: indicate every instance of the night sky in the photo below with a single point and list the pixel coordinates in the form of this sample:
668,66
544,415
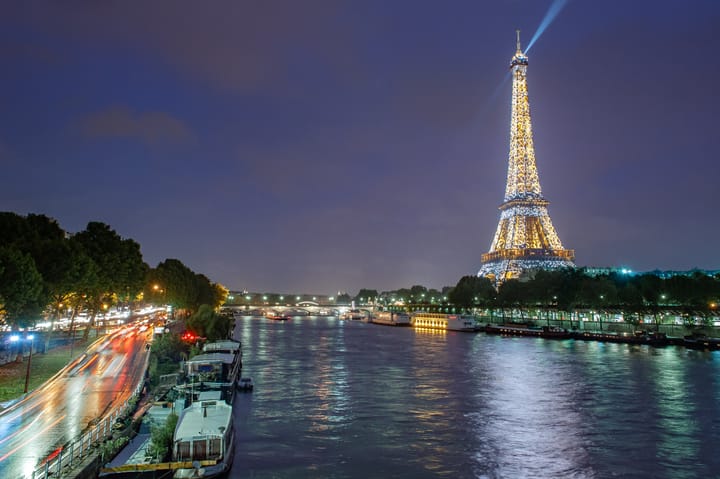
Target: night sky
323,146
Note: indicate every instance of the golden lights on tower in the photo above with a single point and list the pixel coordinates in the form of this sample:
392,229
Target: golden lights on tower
525,238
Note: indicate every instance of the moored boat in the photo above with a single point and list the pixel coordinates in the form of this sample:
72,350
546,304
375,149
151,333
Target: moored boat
391,318
215,371
353,315
245,384
701,342
448,322
277,316
639,337
550,332
205,438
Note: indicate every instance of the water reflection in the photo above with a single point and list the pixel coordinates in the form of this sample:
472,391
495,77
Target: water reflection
348,399
528,423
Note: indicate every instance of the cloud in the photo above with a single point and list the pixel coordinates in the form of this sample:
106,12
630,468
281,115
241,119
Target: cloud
240,46
152,127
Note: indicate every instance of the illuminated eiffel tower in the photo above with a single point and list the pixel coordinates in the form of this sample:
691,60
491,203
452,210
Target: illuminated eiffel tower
525,238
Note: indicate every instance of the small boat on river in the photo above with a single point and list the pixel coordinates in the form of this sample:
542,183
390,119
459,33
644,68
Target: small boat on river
245,384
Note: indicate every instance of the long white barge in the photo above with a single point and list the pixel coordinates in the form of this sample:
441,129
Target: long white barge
447,322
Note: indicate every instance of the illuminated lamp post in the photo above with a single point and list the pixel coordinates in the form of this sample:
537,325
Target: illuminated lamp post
31,337
158,289
15,338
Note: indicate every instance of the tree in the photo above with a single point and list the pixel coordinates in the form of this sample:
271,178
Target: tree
209,293
20,287
179,283
209,324
417,292
366,296
469,288
161,438
120,269
40,237
513,293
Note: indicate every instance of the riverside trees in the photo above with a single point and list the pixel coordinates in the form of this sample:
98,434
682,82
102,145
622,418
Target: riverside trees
45,269
691,296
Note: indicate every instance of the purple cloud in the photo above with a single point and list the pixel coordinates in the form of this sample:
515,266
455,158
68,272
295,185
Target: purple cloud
152,127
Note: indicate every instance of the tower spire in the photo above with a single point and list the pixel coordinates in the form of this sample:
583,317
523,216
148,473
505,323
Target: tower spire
525,238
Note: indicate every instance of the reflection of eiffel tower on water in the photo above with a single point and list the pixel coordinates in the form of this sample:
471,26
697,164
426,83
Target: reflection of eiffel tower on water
525,238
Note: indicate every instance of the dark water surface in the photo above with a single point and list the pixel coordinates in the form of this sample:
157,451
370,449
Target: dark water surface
342,399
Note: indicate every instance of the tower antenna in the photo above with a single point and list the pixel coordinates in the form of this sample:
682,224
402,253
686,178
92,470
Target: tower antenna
518,40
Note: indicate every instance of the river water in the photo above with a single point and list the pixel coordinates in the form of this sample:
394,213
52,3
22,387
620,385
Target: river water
345,399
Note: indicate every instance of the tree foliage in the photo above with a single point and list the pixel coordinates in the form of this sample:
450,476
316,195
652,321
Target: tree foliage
161,438
571,289
20,287
209,324
471,291
92,269
366,296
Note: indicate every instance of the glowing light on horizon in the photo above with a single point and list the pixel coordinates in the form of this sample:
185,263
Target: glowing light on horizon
555,8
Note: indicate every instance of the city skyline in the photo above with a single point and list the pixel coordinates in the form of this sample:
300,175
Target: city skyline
330,146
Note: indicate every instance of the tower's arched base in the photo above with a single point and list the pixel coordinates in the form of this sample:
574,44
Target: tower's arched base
502,269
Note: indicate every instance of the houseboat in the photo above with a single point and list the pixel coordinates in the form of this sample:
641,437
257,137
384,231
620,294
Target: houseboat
391,318
353,315
447,322
205,440
216,371
548,332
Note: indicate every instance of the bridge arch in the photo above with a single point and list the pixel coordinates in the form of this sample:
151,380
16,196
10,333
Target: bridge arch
308,303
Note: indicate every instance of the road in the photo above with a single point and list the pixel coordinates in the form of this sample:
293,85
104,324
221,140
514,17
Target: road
64,407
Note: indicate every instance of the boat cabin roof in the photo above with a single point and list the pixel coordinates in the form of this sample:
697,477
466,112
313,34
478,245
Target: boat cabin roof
222,346
226,358
203,418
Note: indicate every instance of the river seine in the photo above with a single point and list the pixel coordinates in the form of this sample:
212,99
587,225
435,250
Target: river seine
346,399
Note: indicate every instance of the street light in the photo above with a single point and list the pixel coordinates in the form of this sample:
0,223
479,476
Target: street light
15,338
31,337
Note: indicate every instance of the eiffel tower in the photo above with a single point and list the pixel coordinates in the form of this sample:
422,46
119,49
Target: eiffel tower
525,238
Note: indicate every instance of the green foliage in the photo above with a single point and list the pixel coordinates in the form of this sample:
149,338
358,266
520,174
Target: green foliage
161,438
89,270
178,282
469,288
21,286
417,291
209,324
166,353
169,348
571,289
366,296
111,447
120,269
